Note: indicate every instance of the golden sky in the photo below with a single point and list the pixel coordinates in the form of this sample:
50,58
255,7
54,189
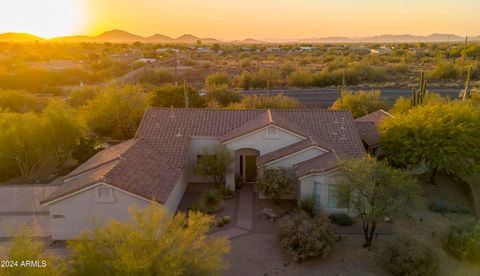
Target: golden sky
234,19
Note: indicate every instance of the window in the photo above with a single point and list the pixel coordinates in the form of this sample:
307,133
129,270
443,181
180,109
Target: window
333,198
104,194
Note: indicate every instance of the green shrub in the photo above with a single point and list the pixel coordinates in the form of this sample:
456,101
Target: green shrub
307,205
226,219
304,237
226,192
406,256
276,183
463,240
341,219
211,200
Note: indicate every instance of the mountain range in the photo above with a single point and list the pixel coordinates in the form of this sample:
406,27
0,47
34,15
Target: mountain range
119,36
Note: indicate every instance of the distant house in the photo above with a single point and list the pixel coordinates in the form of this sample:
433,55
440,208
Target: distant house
306,48
147,60
159,163
165,50
367,127
205,50
383,50
362,50
55,65
122,56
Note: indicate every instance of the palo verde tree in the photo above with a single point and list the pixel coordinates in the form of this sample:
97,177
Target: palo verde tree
375,190
116,111
174,96
213,164
441,136
156,242
361,103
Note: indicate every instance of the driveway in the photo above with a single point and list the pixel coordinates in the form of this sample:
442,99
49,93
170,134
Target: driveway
20,206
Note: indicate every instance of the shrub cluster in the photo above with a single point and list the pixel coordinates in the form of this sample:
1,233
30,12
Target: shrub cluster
463,240
341,219
304,237
406,256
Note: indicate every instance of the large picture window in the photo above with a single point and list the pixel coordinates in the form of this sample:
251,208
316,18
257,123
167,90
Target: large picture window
333,198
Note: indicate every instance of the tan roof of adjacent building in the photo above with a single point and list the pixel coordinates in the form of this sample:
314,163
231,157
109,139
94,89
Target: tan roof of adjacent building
367,127
374,117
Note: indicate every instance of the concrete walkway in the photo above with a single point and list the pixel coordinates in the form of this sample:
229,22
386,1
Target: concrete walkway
244,216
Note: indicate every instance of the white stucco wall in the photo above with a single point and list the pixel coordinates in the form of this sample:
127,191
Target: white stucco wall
307,189
197,145
260,141
177,193
80,210
289,161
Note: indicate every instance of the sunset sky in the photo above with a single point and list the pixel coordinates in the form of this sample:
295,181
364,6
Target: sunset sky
234,19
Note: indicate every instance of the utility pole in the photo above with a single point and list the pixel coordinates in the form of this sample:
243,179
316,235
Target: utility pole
268,87
185,93
176,75
464,53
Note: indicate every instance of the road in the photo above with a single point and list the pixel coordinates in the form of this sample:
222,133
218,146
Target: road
324,97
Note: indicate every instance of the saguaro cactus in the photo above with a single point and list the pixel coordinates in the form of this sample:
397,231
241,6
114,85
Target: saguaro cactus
419,94
467,93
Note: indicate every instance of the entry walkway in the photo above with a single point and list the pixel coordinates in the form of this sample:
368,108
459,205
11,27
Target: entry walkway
244,215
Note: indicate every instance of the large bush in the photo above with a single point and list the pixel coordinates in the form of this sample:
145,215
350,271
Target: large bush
406,256
463,240
304,237
276,183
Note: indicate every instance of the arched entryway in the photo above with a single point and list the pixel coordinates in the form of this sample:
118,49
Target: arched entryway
246,164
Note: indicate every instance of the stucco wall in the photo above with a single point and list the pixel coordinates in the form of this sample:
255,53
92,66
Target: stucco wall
197,145
260,141
177,193
307,189
79,209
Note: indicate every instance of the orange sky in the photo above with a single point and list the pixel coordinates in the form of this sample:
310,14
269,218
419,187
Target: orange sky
232,19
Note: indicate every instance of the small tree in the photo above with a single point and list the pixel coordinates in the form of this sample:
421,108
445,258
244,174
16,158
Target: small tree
375,190
361,103
155,243
223,95
174,96
276,183
213,164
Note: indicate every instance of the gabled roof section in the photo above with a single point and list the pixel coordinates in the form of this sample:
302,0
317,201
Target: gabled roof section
374,117
291,149
268,117
321,164
102,157
139,170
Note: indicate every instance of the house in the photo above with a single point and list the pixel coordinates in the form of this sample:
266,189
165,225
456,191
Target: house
158,164
383,50
367,127
147,60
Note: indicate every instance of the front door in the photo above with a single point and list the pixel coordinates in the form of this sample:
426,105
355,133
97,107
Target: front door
250,168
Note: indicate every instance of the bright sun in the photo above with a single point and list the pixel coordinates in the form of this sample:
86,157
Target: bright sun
45,18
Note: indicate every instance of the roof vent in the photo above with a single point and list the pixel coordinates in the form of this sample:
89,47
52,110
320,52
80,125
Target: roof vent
172,112
179,134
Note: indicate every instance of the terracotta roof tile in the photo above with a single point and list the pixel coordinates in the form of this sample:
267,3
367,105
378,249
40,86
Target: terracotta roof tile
291,149
321,164
369,133
374,117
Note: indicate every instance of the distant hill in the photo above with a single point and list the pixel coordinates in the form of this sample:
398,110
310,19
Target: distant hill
19,37
119,36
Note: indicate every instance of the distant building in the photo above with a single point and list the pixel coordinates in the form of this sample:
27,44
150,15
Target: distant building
147,60
383,50
165,50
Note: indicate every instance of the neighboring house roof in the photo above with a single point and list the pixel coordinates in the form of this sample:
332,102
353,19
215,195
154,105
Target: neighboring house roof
291,149
320,164
367,127
374,117
369,133
138,170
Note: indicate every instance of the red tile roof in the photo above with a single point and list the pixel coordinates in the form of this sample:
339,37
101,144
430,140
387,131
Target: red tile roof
374,117
138,170
151,164
291,149
367,126
321,164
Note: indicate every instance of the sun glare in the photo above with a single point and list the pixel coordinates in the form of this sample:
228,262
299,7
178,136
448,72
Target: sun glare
47,18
